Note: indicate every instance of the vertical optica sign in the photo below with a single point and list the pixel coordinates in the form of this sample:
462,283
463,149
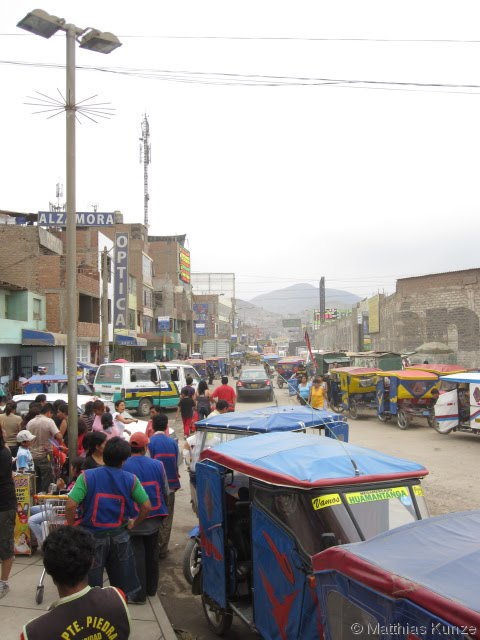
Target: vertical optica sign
121,282
184,265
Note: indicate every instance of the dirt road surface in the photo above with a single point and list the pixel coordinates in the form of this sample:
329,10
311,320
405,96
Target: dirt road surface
452,485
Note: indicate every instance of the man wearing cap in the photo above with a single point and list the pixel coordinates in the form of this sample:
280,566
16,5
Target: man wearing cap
144,538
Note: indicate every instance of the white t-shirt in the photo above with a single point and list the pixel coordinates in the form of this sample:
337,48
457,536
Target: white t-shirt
116,423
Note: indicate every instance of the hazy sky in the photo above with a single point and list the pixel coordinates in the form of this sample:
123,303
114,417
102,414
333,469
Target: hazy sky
278,184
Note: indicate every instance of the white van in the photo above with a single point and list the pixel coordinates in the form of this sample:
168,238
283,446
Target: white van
143,384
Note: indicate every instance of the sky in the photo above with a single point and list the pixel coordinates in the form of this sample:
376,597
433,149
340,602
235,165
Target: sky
272,175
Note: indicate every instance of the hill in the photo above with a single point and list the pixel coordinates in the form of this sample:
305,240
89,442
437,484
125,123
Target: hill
301,297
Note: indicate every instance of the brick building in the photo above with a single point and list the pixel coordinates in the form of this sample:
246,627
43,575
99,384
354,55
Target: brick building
440,312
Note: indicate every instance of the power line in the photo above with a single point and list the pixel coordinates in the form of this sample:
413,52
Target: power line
218,78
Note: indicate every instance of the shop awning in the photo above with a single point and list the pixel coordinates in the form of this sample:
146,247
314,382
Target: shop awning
130,341
43,338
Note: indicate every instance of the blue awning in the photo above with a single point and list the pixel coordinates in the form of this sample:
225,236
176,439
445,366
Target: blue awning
130,341
43,338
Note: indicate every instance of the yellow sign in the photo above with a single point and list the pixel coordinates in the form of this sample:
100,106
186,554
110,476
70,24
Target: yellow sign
375,495
329,500
24,489
417,490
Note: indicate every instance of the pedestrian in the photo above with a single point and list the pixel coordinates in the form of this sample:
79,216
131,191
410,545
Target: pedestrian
144,538
155,410
98,411
45,429
119,418
33,410
8,510
108,495
220,407
225,392
317,397
202,399
210,374
188,389
94,443
24,455
185,408
165,449
61,417
108,426
303,390
11,425
88,415
80,612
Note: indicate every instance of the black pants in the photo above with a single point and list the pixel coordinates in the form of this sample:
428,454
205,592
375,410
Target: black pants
203,412
146,552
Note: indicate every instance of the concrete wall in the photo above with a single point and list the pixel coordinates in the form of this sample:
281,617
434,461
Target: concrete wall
443,308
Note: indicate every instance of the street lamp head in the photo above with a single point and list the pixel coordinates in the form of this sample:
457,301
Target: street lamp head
100,41
41,23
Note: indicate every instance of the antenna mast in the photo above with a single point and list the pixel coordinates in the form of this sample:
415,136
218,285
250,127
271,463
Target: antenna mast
145,157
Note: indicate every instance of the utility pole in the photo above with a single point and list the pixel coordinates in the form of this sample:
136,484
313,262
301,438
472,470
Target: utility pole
145,157
321,293
105,342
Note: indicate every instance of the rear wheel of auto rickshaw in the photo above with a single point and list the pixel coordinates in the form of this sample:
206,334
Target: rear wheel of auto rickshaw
402,420
219,620
353,410
191,559
384,417
436,426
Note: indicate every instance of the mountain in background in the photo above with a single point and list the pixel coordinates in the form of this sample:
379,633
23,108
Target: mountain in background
302,297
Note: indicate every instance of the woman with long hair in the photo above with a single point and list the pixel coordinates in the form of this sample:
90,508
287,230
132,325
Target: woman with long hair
11,425
94,444
202,399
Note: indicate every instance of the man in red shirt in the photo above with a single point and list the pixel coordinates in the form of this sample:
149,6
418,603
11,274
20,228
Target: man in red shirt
225,392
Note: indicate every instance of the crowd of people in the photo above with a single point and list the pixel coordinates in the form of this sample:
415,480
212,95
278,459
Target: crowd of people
120,498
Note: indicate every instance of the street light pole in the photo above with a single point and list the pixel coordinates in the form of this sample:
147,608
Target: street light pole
71,245
43,24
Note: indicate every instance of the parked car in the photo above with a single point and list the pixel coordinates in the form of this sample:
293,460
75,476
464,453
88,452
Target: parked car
254,383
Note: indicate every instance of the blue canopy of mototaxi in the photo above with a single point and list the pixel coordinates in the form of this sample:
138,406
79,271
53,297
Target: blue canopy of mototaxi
469,377
440,555
301,460
282,418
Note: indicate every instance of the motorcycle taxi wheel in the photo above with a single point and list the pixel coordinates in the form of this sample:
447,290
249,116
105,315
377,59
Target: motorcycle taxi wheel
353,410
403,420
384,417
219,620
191,560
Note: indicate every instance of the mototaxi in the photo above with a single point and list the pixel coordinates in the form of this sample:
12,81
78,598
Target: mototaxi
458,405
406,394
199,364
212,432
352,389
298,495
288,368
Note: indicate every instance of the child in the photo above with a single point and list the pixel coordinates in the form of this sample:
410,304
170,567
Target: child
24,455
185,408
107,424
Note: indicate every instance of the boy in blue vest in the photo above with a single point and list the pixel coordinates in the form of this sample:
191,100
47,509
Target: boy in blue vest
165,449
81,612
108,496
144,538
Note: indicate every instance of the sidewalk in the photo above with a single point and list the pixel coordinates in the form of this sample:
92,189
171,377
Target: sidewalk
149,621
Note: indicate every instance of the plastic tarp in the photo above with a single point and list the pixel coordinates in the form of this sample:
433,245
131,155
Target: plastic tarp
434,563
296,459
282,418
211,512
472,377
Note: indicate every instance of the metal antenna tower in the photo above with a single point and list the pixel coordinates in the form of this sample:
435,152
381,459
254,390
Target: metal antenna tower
145,157
59,196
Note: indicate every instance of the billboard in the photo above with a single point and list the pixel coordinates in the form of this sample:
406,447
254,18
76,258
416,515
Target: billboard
200,328
374,314
184,265
120,291
84,219
163,323
331,314
291,323
201,311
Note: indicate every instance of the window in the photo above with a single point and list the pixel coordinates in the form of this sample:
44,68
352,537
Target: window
131,319
132,285
147,269
147,298
158,298
147,324
343,616
109,373
143,375
37,309
83,352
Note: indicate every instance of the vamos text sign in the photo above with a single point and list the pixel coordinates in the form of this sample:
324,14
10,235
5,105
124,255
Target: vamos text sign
84,219
121,282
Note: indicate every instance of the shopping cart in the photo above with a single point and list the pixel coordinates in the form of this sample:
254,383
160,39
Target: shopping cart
52,508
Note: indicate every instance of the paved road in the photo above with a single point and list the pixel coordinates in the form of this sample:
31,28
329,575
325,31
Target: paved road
452,485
